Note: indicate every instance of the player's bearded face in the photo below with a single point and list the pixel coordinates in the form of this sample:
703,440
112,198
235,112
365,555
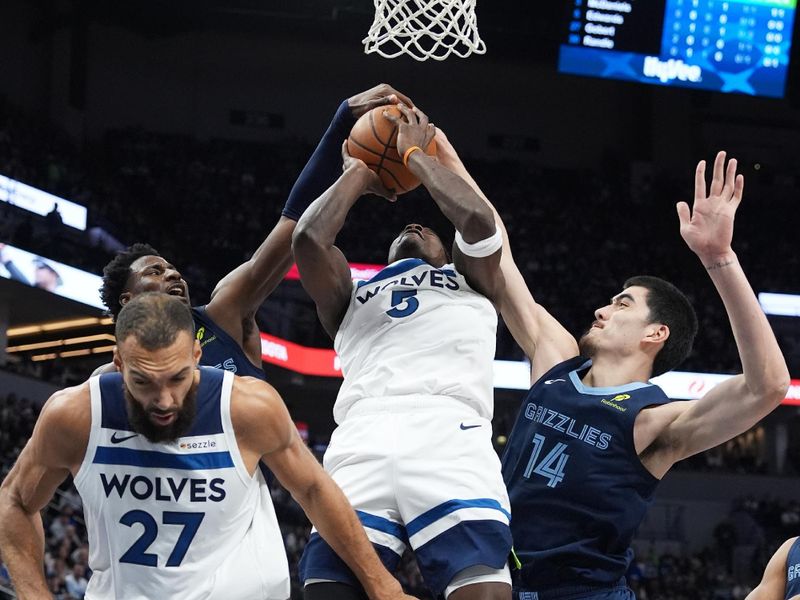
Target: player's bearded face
141,421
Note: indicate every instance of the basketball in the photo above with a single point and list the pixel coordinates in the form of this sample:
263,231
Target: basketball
373,139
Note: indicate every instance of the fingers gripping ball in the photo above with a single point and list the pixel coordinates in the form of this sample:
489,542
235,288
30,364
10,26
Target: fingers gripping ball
373,139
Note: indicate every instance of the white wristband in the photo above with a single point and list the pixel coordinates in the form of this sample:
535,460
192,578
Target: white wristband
483,248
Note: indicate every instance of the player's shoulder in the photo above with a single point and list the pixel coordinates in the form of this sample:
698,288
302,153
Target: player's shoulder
258,413
69,403
65,421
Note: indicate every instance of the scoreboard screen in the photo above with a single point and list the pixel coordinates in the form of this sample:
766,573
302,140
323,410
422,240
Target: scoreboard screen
735,46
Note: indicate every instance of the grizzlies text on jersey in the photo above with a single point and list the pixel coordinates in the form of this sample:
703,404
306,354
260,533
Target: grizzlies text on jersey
180,519
577,487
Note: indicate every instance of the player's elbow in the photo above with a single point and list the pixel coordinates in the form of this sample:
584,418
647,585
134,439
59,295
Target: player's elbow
478,224
772,391
305,238
9,502
778,391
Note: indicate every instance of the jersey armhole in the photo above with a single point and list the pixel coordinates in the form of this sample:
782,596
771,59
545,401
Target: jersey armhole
227,428
630,439
96,410
348,315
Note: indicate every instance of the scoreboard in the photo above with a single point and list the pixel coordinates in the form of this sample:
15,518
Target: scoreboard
735,46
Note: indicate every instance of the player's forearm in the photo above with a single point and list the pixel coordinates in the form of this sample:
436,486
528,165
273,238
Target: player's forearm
323,166
22,549
324,219
461,204
765,371
266,268
331,513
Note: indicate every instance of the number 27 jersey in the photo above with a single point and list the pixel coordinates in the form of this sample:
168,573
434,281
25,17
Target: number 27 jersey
177,520
417,329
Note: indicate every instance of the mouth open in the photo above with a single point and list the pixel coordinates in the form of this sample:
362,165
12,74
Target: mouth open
163,419
177,290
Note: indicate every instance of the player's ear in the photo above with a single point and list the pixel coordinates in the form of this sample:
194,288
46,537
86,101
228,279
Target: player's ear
124,298
197,352
117,360
656,333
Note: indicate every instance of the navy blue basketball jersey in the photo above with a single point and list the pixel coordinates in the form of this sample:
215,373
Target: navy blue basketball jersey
219,349
793,571
577,488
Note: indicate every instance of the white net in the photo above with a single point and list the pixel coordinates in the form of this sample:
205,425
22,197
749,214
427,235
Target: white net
424,29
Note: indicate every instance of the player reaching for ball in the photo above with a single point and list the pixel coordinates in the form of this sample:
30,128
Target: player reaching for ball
593,437
412,451
226,326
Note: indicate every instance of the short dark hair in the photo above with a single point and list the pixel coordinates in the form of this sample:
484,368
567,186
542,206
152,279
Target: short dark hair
116,273
670,306
155,319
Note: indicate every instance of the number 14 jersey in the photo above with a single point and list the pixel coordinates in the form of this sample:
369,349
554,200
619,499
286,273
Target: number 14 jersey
183,519
417,329
577,487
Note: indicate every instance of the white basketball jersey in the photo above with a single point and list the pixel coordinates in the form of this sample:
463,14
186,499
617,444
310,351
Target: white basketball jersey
417,329
181,520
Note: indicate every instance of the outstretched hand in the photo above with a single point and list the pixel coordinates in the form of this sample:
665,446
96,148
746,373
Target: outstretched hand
380,95
373,183
708,227
414,128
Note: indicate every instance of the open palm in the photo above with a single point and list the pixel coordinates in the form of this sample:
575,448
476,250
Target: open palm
708,227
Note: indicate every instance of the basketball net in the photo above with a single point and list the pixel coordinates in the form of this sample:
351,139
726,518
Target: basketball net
424,29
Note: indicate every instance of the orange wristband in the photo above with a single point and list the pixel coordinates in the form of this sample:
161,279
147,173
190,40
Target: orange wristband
408,153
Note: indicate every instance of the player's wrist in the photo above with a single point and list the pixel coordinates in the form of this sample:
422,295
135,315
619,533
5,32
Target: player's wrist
714,261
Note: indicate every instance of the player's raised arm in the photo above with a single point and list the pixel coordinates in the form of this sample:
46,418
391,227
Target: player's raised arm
476,252
323,268
543,339
263,424
238,295
738,403
56,447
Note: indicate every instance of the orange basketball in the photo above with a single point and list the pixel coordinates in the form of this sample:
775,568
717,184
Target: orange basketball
373,139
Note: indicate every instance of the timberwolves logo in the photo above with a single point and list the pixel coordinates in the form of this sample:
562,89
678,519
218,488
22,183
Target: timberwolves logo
616,402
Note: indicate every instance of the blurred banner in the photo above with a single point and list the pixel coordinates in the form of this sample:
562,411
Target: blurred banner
357,271
50,275
29,198
780,305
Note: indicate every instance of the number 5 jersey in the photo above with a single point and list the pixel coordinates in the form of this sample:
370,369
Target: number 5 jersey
577,487
417,329
180,519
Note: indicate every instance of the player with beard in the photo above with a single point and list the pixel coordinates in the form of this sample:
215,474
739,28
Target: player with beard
413,450
226,326
593,437
164,455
